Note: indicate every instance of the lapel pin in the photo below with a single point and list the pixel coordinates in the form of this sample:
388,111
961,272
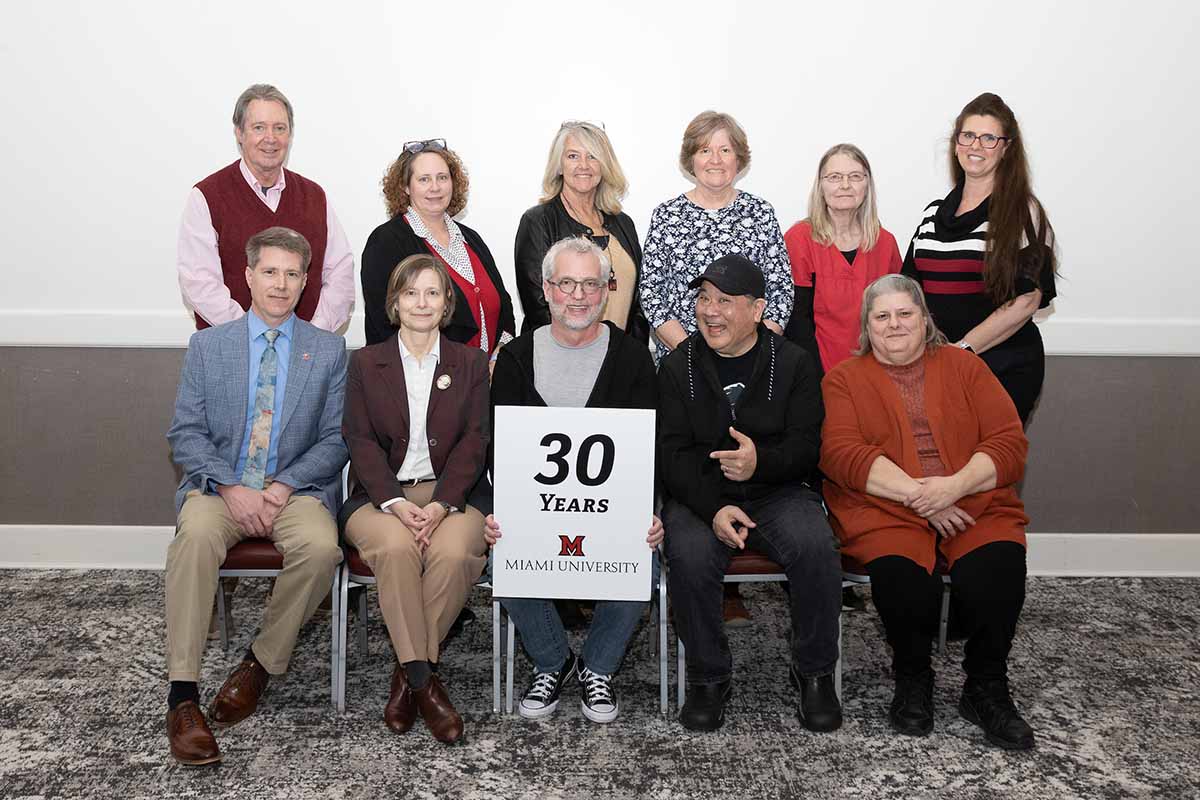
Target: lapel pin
306,357
443,382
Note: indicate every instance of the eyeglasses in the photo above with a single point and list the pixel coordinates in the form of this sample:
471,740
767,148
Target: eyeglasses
581,123
568,285
421,146
986,140
835,178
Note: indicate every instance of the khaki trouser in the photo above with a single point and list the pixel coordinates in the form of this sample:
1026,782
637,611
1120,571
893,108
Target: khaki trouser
419,594
304,533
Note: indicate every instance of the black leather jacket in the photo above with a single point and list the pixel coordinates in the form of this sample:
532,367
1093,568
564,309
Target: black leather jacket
547,223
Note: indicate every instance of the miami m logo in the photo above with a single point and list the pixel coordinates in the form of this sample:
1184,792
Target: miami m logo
569,546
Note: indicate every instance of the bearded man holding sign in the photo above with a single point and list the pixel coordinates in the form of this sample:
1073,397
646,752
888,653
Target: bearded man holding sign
578,360
739,434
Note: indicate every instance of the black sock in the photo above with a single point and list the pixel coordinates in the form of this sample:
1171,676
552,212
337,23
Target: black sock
418,673
181,691
251,657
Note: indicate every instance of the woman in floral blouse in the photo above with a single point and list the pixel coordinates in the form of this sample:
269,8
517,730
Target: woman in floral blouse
689,232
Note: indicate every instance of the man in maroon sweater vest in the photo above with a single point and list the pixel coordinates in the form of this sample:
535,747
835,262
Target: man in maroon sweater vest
250,195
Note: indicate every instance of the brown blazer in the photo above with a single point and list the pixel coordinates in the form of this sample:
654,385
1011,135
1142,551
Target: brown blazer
969,412
376,425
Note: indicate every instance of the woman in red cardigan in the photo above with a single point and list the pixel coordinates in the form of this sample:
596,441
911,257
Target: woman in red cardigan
922,448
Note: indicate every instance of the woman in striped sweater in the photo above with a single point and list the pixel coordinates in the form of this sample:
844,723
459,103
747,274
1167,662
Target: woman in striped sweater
984,254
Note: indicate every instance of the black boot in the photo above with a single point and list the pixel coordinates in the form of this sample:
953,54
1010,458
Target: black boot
820,711
988,704
704,708
911,712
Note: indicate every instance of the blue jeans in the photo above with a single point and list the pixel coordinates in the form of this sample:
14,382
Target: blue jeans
545,639
793,532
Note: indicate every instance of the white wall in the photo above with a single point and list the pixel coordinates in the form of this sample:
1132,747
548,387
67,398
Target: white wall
114,110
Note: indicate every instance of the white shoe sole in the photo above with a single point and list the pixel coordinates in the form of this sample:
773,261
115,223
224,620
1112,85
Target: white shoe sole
599,716
537,713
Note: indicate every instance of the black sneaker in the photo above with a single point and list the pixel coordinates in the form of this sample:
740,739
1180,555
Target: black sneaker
989,705
599,702
911,712
541,698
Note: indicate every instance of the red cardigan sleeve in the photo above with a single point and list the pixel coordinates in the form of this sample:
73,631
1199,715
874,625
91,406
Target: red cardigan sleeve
846,456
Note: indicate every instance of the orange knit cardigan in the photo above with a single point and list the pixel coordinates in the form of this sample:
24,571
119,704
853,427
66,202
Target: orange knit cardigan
969,412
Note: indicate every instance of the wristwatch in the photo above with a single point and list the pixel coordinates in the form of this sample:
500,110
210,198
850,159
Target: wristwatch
449,508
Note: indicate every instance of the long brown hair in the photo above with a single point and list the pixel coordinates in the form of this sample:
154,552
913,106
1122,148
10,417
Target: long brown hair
1014,210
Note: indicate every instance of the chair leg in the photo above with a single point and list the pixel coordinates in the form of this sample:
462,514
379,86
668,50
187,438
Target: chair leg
343,608
362,623
495,656
837,669
681,675
944,622
662,647
221,615
334,597
508,678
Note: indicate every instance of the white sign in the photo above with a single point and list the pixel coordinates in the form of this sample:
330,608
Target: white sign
574,499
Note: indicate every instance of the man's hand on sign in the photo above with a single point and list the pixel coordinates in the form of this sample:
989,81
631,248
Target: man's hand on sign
491,531
655,536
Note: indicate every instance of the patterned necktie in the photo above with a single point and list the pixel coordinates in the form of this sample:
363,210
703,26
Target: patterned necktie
254,474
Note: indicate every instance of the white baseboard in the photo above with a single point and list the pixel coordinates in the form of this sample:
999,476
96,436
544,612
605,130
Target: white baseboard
145,547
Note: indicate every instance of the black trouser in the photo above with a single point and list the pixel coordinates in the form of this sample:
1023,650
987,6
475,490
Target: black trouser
792,531
988,586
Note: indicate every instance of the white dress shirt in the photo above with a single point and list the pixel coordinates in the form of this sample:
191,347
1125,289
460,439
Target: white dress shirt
418,382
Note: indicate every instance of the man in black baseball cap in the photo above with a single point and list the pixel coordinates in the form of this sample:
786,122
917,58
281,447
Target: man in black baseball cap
739,434
733,274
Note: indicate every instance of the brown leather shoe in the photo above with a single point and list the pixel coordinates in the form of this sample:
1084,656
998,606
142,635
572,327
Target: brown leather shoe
192,743
436,709
239,696
401,709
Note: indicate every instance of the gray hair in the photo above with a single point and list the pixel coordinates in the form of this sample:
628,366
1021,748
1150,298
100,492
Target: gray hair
891,284
283,238
259,91
575,244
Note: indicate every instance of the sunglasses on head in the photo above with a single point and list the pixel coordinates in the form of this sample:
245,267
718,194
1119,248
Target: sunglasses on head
421,146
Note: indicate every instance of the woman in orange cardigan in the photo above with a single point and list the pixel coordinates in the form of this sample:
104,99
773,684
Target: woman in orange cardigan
922,448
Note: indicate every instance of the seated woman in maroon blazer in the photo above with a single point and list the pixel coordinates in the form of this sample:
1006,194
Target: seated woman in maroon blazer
416,423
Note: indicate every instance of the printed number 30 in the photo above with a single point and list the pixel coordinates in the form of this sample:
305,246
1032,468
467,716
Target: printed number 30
582,461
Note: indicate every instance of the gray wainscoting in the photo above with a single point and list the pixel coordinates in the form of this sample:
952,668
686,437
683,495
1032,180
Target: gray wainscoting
1114,441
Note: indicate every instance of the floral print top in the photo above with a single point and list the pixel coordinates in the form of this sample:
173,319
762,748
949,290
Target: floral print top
684,238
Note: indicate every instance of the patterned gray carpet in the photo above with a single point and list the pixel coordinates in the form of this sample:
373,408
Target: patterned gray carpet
1106,671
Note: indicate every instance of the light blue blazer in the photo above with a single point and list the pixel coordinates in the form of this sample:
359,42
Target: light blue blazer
210,412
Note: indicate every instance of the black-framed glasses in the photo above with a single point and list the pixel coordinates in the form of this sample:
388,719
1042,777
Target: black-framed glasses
568,285
986,140
836,178
421,145
581,123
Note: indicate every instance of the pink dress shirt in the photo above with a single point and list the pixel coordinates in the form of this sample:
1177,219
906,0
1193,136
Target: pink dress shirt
203,286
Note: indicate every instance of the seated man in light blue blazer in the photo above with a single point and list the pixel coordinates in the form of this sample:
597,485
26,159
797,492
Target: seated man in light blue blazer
257,433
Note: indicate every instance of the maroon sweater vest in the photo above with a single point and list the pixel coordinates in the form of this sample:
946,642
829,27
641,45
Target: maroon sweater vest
237,215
